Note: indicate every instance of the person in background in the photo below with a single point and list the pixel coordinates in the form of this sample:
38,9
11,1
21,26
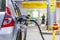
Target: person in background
43,19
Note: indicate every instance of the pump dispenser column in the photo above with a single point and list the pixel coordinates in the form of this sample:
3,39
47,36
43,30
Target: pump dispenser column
51,12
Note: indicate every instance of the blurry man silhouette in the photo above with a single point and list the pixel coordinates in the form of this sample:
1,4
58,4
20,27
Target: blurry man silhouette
43,19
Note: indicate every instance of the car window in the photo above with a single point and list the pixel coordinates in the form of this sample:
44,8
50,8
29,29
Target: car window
2,5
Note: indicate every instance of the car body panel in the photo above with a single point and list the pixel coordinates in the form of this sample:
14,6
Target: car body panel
8,33
10,5
1,17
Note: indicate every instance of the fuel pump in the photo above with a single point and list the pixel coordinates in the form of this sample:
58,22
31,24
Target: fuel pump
24,19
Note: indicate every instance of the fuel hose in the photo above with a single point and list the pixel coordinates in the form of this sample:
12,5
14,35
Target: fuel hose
38,28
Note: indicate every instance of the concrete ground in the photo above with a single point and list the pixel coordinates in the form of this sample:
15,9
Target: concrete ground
33,34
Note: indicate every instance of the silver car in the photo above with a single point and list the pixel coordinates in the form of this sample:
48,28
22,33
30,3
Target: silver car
8,27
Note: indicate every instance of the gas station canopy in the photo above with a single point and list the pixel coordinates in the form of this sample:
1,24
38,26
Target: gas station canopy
34,4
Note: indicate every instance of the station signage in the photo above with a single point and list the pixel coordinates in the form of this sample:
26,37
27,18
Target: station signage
52,5
57,4
52,1
34,4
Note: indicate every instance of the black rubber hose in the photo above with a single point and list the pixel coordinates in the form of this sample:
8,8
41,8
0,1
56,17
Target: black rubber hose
38,28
